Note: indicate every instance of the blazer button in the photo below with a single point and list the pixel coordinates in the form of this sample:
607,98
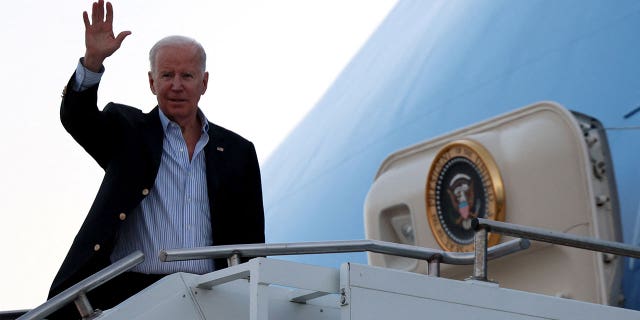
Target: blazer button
145,191
122,216
96,247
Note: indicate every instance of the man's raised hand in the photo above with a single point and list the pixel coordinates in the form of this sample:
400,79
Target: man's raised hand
99,39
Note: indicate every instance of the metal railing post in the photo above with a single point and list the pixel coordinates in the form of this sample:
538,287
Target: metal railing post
433,268
233,260
84,306
480,261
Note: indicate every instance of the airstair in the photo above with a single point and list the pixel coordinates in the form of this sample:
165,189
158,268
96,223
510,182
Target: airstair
267,288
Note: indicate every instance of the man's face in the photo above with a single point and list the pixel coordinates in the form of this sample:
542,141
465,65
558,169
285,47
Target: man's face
178,81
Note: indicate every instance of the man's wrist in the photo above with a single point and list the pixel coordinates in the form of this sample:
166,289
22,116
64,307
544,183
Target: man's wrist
86,78
92,64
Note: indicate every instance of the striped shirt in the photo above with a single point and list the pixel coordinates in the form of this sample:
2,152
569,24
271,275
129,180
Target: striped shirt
176,212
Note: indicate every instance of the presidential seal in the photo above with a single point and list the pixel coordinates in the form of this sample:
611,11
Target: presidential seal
463,183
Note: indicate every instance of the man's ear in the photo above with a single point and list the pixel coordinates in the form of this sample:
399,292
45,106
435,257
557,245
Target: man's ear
205,82
151,82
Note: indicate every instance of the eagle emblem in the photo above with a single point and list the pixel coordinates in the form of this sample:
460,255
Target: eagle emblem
463,183
461,192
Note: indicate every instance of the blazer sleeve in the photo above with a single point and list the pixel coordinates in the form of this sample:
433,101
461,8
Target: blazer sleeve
93,129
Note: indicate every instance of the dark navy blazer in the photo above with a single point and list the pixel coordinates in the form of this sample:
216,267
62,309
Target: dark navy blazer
127,144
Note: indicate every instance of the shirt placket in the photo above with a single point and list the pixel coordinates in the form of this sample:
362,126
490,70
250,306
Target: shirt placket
186,206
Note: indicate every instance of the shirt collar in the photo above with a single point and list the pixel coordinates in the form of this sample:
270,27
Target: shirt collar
165,121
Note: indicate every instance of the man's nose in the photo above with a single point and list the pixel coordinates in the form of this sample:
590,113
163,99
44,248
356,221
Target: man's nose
176,83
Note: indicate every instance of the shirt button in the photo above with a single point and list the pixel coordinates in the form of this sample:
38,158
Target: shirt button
145,191
122,216
96,247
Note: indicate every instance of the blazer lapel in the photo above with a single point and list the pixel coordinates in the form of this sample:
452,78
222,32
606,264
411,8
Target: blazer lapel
154,136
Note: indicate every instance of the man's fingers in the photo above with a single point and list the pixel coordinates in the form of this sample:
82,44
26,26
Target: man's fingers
109,18
97,11
85,18
121,37
99,40
94,12
100,11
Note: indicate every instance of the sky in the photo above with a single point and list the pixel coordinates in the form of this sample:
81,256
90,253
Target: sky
269,63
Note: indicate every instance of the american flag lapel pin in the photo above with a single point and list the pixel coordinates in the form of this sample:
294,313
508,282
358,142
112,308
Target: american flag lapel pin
221,149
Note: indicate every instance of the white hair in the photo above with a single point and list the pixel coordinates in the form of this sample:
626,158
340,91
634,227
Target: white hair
176,41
